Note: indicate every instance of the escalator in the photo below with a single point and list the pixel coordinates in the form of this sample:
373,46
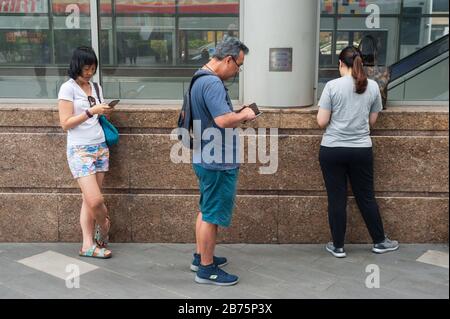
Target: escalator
422,75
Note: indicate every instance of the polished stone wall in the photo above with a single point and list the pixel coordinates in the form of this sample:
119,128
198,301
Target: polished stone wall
153,200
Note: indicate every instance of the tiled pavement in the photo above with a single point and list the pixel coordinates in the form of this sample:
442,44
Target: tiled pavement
266,271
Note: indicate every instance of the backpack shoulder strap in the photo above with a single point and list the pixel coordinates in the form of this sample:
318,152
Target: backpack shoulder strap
195,78
97,91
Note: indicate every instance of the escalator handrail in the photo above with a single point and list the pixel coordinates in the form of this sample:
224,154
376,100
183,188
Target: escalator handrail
420,57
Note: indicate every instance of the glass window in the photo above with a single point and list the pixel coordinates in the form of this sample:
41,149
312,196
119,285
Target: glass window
199,37
363,6
327,6
326,47
24,33
426,6
386,36
440,6
36,44
417,32
439,28
208,7
403,27
150,49
72,27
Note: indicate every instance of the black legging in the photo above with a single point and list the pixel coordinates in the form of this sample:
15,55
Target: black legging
357,163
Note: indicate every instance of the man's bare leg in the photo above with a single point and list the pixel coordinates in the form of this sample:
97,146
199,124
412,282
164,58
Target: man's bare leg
207,241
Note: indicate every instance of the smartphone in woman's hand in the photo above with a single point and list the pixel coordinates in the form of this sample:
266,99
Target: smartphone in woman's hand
113,103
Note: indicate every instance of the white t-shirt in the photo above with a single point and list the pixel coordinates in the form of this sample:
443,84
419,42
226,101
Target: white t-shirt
89,132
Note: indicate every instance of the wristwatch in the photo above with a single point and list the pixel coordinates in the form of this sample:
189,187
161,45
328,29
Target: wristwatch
89,114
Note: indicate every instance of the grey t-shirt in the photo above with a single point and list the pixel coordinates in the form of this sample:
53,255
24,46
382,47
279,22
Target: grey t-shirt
349,125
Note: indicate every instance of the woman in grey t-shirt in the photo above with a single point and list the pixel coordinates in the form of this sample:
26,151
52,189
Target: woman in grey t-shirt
347,108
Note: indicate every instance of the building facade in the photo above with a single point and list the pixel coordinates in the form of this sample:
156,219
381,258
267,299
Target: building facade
149,49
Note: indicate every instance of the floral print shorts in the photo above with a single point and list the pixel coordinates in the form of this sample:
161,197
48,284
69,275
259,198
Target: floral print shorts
85,160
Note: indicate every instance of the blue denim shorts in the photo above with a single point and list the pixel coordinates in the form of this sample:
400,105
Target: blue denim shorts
217,194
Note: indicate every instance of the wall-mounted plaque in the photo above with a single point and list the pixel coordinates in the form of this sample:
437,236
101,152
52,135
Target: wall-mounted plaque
280,60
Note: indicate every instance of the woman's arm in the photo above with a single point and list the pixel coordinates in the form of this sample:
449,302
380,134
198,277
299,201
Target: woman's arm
68,121
66,118
323,118
373,117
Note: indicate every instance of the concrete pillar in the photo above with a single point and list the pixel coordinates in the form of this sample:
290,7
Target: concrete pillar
267,24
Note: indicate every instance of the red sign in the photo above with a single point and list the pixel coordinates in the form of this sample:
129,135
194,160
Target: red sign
209,6
23,6
126,7
156,7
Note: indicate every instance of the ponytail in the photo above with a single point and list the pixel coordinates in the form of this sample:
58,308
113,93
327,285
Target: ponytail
351,57
359,75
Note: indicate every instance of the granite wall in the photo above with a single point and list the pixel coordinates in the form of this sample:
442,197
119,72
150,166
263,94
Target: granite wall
153,200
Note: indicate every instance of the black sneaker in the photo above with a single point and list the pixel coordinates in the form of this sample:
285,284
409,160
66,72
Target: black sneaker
336,252
385,246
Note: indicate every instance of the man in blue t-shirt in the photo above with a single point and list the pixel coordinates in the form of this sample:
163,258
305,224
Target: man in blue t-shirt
216,158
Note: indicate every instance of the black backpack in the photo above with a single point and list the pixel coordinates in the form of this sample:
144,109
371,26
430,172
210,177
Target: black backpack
185,120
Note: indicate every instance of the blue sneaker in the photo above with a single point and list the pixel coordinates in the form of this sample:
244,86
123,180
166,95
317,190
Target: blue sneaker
218,261
213,275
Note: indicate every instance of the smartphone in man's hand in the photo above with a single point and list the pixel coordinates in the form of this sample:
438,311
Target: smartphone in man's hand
255,109
243,108
113,103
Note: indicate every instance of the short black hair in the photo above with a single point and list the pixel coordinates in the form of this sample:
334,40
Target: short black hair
81,57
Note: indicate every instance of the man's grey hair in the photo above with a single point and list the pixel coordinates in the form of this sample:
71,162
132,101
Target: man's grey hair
230,47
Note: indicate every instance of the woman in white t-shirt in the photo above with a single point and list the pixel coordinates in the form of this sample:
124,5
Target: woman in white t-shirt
87,153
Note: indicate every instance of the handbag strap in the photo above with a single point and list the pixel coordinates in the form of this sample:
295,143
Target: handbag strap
97,91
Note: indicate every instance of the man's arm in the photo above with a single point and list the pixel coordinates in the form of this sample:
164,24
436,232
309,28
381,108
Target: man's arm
233,120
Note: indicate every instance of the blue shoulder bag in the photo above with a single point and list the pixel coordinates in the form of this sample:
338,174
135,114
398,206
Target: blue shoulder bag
111,132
